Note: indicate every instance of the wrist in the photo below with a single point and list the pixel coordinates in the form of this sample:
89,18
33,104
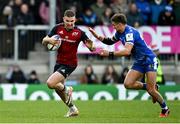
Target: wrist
92,49
100,38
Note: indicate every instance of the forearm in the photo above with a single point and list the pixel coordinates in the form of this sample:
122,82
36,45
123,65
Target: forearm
123,52
126,51
108,41
46,40
90,46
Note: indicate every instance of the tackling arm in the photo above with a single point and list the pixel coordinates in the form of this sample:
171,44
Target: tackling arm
124,52
108,41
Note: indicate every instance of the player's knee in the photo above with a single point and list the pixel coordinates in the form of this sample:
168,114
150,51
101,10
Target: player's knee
50,84
127,85
150,90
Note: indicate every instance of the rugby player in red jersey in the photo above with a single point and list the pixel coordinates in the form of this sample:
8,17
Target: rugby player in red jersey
66,61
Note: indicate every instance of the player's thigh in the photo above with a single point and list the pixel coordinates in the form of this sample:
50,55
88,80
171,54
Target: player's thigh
64,70
56,78
132,76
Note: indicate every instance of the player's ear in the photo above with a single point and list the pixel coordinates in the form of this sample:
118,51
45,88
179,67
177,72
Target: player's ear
64,19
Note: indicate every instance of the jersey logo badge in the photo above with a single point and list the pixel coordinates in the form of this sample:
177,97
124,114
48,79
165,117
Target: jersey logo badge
129,37
74,33
61,32
63,70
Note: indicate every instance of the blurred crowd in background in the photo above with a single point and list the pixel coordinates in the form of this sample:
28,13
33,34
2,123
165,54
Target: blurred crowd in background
110,76
92,12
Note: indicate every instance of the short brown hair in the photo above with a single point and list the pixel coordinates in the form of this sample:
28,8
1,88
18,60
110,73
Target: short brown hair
69,13
119,18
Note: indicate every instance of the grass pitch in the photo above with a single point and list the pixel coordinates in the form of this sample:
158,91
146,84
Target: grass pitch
90,112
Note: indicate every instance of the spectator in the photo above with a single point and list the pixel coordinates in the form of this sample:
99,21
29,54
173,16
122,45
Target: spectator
34,6
110,75
106,17
89,18
2,5
25,17
145,9
44,11
99,8
123,75
167,17
15,75
33,78
119,6
134,17
89,77
156,7
16,5
8,17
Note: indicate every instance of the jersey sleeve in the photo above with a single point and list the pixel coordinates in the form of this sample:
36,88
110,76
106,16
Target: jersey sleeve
115,38
110,41
52,31
84,37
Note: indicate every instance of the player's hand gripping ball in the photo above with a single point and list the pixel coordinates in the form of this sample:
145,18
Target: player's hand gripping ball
52,47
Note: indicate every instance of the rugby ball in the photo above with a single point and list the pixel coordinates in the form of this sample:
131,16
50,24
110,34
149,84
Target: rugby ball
54,47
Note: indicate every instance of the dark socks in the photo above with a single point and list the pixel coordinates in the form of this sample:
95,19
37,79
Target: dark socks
70,105
163,105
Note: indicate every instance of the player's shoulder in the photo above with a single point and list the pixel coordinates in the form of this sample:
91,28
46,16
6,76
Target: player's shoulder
130,33
78,29
59,25
130,29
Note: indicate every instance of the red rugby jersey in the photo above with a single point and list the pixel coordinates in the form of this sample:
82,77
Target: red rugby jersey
67,53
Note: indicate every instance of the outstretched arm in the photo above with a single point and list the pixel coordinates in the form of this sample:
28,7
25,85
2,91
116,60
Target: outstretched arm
108,41
95,34
124,52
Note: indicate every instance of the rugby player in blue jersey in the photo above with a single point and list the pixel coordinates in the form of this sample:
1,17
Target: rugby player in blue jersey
145,61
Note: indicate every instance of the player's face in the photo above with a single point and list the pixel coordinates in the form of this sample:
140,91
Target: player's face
69,22
118,27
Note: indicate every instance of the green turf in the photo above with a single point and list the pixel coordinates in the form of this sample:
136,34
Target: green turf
90,112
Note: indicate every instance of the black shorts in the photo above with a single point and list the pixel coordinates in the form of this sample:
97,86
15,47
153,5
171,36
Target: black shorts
65,70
